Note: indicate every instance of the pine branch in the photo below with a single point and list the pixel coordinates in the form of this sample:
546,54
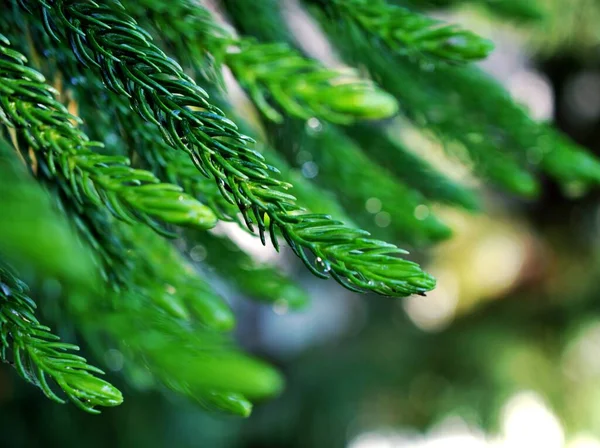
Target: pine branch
312,197
303,88
38,354
264,283
374,144
359,180
172,284
107,39
189,33
432,105
522,10
189,359
408,33
463,105
415,171
273,72
27,103
173,166
259,60
178,169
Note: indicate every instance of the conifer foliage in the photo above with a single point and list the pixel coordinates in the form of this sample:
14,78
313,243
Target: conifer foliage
118,143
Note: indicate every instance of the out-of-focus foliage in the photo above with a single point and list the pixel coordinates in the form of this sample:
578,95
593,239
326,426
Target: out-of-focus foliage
31,232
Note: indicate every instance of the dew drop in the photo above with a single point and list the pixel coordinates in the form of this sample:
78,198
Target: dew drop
373,205
427,66
111,139
303,157
421,212
383,219
280,307
313,125
114,359
323,265
457,41
198,253
310,170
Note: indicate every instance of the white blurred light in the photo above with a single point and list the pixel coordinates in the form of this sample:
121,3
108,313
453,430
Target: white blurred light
314,124
436,311
453,432
454,441
528,422
373,440
310,170
581,359
249,243
584,441
534,91
311,37
498,261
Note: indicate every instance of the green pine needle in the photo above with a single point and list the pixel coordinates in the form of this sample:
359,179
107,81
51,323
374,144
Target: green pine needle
301,87
189,359
521,10
408,33
359,180
161,93
434,104
172,283
28,104
37,354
